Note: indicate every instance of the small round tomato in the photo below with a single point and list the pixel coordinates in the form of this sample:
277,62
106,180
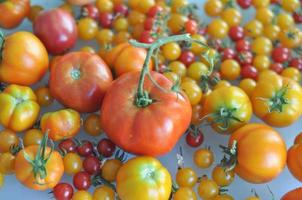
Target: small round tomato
244,4
121,37
104,5
231,16
82,195
249,71
194,140
222,177
227,53
265,15
184,193
81,181
121,9
120,24
222,83
178,68
146,37
90,10
72,163
253,28
171,51
106,19
236,33
218,29
223,197
285,20
196,116
207,188
297,63
63,191
260,3
85,148
271,31
87,28
80,2
91,165
276,67
213,7
261,62
293,195
262,45
187,57
242,45
281,54
44,97
196,70
193,92
136,18
92,125
177,4
290,5
32,137
248,85
104,36
7,161
103,193
8,139
186,177
203,158
34,12
68,146
290,38
110,169
230,69
292,73
191,26
196,48
171,76
106,147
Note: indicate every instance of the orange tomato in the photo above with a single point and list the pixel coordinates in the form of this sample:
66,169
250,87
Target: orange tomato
80,2
294,160
293,195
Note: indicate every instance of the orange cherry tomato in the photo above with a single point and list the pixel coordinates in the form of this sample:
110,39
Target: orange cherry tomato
8,139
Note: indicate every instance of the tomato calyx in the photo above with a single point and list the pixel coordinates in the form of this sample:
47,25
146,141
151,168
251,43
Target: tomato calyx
2,38
40,160
2,1
278,100
224,116
75,74
2,85
229,160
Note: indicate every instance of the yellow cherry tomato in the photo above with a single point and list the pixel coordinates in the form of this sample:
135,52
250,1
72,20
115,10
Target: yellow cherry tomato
222,177
290,38
144,6
87,28
120,24
196,48
135,18
104,5
271,31
193,92
171,51
104,36
177,22
121,37
32,137
207,188
248,85
261,62
223,197
222,83
253,28
44,97
177,4
110,169
186,177
178,68
82,195
203,158
290,5
261,45
185,193
72,163
260,3
292,73
7,161
103,193
230,69
218,29
188,79
231,16
285,21
8,139
196,70
265,15
213,8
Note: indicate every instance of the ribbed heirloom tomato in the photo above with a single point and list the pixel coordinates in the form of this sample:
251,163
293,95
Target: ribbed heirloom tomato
79,80
24,59
19,108
293,195
13,12
294,160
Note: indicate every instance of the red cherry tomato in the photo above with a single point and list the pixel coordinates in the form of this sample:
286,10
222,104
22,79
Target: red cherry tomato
63,191
67,145
187,57
194,140
191,26
244,4
81,181
121,9
248,71
236,33
297,63
92,165
85,148
154,10
242,45
106,147
105,19
277,67
146,37
281,54
148,24
91,11
57,29
228,53
244,58
297,17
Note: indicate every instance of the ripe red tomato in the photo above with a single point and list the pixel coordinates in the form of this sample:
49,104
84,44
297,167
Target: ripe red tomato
187,57
194,140
85,148
297,17
92,165
57,30
227,53
106,147
80,2
67,145
277,67
236,33
154,10
120,9
148,24
249,71
243,45
82,82
146,37
105,19
191,26
293,195
81,181
13,12
281,54
91,11
244,57
297,63
162,122
63,191
244,4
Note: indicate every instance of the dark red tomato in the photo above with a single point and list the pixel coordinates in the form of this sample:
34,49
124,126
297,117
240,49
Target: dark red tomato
281,54
63,191
148,24
57,29
106,19
106,147
187,57
297,17
191,26
244,58
297,63
236,33
146,37
91,165
228,53
277,67
248,71
85,148
81,181
91,11
242,45
121,9
67,145
194,140
244,4
154,10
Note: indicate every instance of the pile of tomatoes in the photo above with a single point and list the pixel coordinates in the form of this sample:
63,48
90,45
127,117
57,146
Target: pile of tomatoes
160,72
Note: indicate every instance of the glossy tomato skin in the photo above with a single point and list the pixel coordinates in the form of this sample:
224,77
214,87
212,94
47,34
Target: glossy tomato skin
19,108
162,122
294,160
143,178
57,30
32,62
24,170
293,195
261,153
13,12
63,191
266,89
80,2
61,124
82,82
126,58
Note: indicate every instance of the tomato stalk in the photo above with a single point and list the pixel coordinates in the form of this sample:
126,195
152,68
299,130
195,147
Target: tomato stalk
278,100
225,116
230,162
2,40
2,1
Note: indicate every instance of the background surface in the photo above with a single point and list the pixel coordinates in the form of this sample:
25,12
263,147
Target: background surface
239,189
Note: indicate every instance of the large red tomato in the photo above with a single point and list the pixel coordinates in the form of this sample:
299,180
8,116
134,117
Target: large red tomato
13,12
152,129
79,80
57,29
293,195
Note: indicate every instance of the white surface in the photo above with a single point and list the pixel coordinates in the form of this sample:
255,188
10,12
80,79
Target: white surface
239,189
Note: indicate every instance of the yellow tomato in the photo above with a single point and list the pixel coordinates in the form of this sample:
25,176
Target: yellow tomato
253,28
218,29
196,70
271,31
260,3
265,15
261,45
292,73
178,68
285,21
103,193
193,92
248,85
196,48
213,7
261,62
230,69
231,16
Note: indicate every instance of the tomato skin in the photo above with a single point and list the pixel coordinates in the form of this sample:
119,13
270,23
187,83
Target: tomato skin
297,63
236,33
63,191
57,30
293,195
13,12
24,170
136,178
106,147
294,161
67,145
103,193
92,125
32,137
85,148
22,115
194,141
266,88
91,165
110,169
137,122
82,83
7,161
281,54
185,193
8,139
61,124
32,62
81,181
80,2
261,143
72,163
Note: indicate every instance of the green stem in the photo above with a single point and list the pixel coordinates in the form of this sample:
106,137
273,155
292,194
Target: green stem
278,100
2,1
2,40
224,116
229,160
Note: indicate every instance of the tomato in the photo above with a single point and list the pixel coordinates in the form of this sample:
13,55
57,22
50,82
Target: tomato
171,51
146,37
256,145
120,24
39,167
20,108
262,45
298,139
221,177
143,178
271,31
44,97
196,116
57,30
121,9
242,45
72,163
227,53
32,62
196,48
119,60
63,191
186,177
297,63
249,71
194,140
121,37
193,92
236,33
8,139
85,79
178,67
171,76
147,122
203,158
104,5
223,197
91,165
177,22
177,4
253,28
80,2
187,57
260,3
222,83
32,137
264,15
293,195
218,29
290,38
103,193
13,12
285,20
61,124
85,148
261,62
248,85
244,4
292,73
7,163
90,10
106,147
294,160
231,16
290,5
67,146
275,100
106,19
92,125
230,69
213,7
196,70
207,188
136,18
81,181
82,195
276,67
104,37
297,17
227,109
191,26
110,169
185,193
87,28
34,12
